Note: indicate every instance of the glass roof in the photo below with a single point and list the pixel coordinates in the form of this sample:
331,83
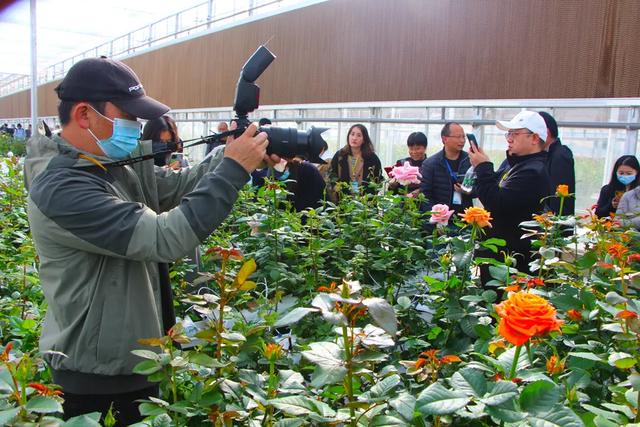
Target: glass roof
68,27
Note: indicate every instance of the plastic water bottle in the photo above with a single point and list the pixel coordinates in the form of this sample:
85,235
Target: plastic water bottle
469,180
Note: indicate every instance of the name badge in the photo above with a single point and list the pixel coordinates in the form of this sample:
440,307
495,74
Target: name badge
457,198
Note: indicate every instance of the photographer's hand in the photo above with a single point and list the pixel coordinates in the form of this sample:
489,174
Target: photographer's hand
477,156
249,149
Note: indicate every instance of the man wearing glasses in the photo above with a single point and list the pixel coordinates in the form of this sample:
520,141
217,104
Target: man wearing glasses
442,172
514,194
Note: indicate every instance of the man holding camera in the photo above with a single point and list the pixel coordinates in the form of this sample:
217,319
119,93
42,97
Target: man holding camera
515,193
103,221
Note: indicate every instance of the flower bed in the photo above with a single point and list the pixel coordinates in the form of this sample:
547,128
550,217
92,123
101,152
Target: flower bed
351,315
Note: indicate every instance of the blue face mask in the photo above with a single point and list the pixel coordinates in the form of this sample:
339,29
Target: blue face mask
626,179
123,140
284,176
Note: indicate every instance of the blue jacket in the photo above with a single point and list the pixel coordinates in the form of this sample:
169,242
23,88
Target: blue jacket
437,183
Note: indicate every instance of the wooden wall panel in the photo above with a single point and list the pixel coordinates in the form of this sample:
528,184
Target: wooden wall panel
380,50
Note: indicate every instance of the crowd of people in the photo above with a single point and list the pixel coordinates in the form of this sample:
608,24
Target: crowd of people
105,224
16,131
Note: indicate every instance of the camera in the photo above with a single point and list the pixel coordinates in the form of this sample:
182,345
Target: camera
285,142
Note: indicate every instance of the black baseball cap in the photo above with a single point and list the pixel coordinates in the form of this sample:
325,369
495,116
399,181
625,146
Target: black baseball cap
103,79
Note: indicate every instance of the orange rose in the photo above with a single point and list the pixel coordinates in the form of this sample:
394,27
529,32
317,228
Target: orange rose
554,366
525,315
476,216
574,314
626,314
562,190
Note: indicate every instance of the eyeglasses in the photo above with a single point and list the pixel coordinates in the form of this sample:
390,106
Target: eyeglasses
457,136
511,134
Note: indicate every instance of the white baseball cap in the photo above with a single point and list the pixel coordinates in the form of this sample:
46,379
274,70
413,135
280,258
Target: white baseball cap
526,120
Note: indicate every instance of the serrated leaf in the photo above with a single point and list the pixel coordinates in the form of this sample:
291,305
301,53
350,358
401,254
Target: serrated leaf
146,354
469,381
558,416
85,420
506,360
507,411
383,314
43,405
539,397
387,420
289,422
205,360
147,367
327,375
8,415
300,405
324,353
622,360
405,404
501,392
586,355
377,337
294,316
384,386
437,400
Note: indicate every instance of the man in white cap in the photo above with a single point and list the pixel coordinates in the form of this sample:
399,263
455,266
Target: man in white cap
515,194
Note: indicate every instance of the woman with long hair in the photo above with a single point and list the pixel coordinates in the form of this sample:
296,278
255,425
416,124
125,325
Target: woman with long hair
163,133
356,162
624,177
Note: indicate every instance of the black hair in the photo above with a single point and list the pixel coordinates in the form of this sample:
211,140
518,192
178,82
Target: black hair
417,138
626,160
551,123
367,146
264,121
446,129
153,128
65,107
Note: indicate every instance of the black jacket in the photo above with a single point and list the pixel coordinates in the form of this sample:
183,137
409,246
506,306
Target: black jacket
512,197
437,183
372,169
561,171
607,193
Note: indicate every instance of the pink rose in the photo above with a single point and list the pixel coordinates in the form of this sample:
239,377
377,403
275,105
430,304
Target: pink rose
406,174
440,214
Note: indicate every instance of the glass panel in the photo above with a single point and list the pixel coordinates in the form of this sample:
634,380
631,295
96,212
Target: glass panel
357,112
460,113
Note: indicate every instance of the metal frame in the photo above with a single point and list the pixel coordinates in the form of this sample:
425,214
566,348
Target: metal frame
199,27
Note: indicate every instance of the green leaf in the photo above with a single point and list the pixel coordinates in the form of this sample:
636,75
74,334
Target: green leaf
300,405
387,420
622,360
324,353
293,316
384,386
147,367
501,392
85,420
506,360
327,375
558,416
539,397
205,360
383,314
489,295
507,411
147,354
437,400
405,404
289,422
8,415
146,409
43,405
586,355
469,381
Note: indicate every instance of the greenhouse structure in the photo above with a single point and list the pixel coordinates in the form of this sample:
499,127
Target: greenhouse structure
320,212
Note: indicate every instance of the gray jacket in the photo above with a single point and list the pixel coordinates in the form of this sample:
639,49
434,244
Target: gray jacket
100,233
629,208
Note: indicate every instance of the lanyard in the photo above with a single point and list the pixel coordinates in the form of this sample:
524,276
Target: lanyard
454,176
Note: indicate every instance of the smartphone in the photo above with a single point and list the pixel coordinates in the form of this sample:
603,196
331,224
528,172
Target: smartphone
473,142
177,156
